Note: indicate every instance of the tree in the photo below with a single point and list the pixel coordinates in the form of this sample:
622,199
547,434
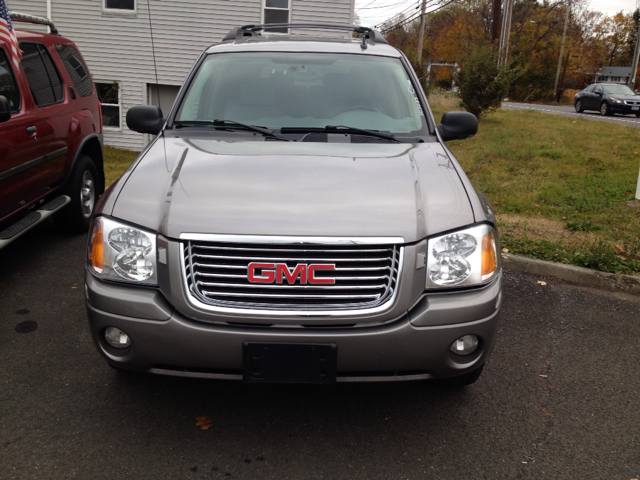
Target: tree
482,83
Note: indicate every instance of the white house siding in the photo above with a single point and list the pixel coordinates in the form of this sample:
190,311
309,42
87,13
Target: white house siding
117,47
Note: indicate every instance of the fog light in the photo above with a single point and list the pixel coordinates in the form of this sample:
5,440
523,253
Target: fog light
465,345
116,338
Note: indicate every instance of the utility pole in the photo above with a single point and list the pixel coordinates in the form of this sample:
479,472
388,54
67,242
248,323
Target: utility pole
495,24
564,34
505,33
636,55
419,54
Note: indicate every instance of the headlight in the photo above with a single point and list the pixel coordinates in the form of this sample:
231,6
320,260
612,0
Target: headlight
121,252
465,257
615,100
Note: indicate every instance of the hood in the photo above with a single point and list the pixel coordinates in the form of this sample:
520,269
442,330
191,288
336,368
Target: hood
294,189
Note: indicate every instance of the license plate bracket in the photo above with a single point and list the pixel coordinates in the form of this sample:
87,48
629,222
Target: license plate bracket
635,108
275,362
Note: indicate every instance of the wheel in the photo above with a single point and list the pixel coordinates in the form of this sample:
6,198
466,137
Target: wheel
82,189
360,107
462,380
605,111
578,106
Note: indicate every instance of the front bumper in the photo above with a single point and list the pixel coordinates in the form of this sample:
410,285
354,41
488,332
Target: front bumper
624,108
413,346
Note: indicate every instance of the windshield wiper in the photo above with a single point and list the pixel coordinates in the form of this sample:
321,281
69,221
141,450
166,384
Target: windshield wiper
232,123
362,131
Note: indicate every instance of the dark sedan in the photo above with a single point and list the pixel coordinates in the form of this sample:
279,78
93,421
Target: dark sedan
608,99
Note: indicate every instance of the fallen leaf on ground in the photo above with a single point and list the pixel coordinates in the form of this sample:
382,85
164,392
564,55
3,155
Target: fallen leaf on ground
203,422
543,376
619,249
505,250
541,282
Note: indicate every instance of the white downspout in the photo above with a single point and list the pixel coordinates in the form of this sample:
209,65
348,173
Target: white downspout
49,14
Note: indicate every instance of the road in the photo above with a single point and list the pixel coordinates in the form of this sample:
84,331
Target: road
628,120
560,397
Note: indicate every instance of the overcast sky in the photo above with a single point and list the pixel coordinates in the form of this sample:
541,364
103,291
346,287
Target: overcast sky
374,12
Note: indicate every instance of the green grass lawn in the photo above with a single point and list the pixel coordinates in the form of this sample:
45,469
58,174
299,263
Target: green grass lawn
563,188
116,161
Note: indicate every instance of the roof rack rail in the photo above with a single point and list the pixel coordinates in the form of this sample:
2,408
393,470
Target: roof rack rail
252,30
23,17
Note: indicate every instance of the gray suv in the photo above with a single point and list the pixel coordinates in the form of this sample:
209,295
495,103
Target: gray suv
298,218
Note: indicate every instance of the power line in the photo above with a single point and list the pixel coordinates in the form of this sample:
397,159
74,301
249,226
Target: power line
408,20
384,6
401,24
404,21
370,3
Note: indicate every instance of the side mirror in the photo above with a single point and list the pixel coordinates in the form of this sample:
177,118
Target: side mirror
145,119
5,109
458,125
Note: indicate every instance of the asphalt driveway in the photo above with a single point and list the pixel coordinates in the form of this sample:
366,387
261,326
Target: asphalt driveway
560,398
628,120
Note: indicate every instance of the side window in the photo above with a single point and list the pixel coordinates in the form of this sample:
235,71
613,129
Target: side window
77,69
8,87
276,11
590,88
119,6
109,96
42,76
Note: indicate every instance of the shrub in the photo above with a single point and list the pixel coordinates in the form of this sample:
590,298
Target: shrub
482,83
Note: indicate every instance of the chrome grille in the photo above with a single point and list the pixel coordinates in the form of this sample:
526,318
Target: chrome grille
365,276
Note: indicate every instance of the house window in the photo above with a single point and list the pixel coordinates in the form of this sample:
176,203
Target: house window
42,76
276,11
119,6
109,96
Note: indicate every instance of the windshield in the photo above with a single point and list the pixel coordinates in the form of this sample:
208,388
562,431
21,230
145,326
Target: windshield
293,90
618,89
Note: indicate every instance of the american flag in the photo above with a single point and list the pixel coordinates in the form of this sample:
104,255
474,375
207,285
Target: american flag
8,36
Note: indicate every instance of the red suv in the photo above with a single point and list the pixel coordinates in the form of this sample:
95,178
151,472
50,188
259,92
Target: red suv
50,134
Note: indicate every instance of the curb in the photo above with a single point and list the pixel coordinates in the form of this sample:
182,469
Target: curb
586,277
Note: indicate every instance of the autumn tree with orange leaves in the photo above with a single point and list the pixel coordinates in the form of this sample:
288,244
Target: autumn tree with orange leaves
593,40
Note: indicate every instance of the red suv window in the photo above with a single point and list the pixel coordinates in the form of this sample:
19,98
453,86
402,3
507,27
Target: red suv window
44,79
8,87
76,68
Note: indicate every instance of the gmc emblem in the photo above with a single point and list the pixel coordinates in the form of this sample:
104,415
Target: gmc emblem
280,272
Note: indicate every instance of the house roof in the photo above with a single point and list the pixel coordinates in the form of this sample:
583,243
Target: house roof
615,71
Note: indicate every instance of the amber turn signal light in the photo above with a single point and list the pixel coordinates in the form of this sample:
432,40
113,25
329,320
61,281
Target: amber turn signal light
489,261
96,256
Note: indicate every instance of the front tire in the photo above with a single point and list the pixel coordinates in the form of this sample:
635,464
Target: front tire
82,188
578,106
605,111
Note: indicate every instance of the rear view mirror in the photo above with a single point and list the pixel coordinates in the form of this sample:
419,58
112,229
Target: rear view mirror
5,109
458,125
145,119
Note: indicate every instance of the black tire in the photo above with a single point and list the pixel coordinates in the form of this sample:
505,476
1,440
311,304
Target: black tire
462,380
82,188
605,110
578,106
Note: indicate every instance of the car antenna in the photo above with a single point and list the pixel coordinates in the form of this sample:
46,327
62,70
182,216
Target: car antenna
153,51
